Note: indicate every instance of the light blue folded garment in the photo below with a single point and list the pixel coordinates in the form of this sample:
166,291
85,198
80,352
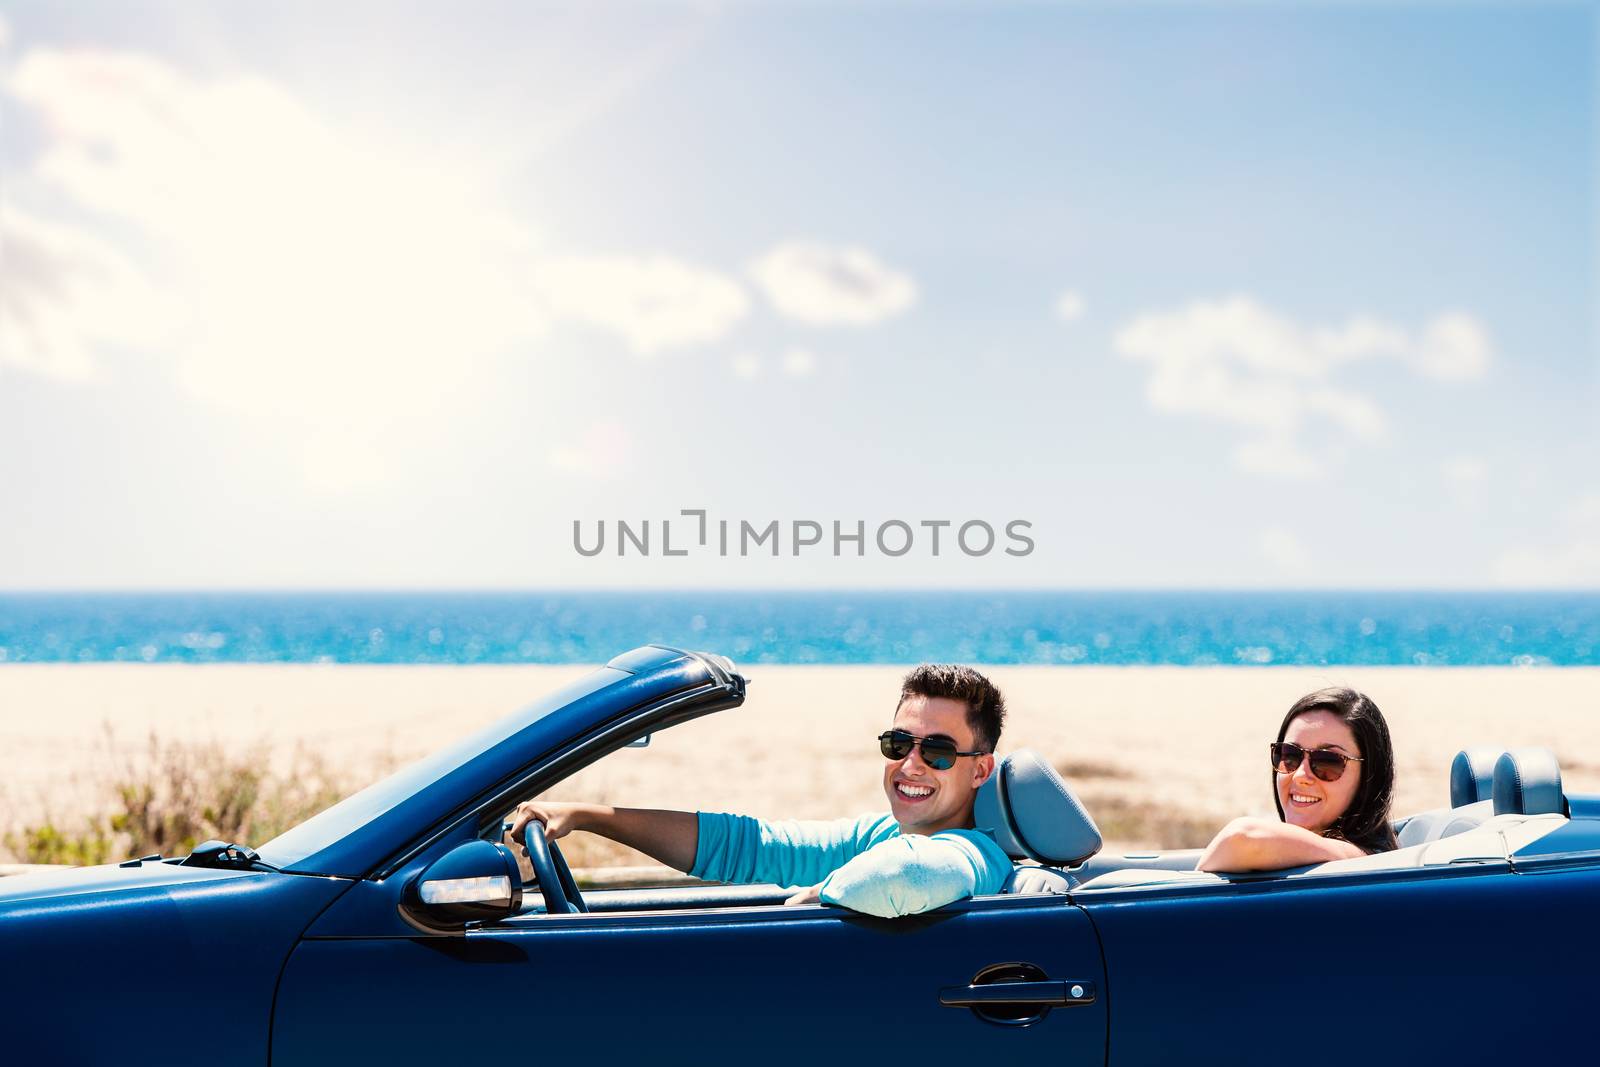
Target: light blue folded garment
864,864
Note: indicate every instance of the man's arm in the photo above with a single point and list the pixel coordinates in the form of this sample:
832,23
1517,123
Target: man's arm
1251,844
907,875
795,852
718,848
671,837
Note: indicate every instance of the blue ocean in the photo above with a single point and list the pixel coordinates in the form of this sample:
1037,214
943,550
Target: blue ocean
1126,628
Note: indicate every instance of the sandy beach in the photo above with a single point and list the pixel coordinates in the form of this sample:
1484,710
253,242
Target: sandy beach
1158,754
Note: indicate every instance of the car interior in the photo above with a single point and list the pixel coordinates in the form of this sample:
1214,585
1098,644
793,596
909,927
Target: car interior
1500,802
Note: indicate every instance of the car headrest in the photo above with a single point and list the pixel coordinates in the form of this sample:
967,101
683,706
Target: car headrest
1034,814
1472,776
1527,781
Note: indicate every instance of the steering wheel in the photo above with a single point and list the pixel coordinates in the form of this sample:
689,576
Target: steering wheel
561,896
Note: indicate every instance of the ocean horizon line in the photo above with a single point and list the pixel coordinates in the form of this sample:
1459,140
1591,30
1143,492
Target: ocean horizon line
783,590
1128,628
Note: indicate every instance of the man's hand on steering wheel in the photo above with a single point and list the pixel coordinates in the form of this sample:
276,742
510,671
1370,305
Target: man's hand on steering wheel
531,831
559,819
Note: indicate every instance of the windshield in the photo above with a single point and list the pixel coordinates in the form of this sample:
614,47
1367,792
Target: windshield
324,829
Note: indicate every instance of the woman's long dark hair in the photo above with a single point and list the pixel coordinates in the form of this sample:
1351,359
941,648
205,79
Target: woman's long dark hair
1365,823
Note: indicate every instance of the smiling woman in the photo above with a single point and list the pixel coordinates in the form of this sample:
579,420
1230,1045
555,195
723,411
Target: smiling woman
1333,781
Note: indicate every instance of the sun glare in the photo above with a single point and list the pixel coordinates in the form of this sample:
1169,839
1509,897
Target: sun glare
333,281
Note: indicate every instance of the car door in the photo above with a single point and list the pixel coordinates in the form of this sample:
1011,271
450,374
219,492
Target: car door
768,984
1445,965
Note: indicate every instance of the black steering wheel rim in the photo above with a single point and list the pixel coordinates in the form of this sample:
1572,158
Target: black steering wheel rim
560,889
569,884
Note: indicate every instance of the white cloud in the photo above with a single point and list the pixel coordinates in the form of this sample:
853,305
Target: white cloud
799,363
1568,558
604,451
65,292
747,365
795,362
1276,457
1465,471
1070,306
1236,362
831,285
5,32
1453,348
1354,412
652,302
1283,550
330,283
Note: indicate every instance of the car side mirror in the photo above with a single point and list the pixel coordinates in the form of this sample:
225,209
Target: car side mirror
474,882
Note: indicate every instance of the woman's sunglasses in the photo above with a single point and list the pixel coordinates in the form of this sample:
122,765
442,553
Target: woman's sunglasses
937,752
1328,766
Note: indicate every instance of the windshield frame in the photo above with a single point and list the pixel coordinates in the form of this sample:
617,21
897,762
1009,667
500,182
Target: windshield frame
295,846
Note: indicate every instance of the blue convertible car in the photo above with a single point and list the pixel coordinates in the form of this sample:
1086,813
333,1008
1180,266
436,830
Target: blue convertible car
394,928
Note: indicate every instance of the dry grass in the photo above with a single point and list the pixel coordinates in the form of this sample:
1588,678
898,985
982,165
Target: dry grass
1140,824
1133,821
170,795
1076,770
1571,766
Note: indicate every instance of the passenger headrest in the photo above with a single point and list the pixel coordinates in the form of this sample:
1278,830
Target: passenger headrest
1527,781
1472,776
1034,814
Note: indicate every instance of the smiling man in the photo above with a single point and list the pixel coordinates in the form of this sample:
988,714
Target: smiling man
922,854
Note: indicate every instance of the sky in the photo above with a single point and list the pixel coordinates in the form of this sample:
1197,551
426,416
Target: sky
389,296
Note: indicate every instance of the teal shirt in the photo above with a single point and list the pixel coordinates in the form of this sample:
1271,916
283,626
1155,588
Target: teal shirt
864,864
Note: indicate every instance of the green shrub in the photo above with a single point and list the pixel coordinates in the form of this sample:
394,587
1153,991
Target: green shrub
48,843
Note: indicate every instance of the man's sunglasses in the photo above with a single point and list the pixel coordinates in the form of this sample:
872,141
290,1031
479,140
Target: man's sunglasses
937,752
1328,766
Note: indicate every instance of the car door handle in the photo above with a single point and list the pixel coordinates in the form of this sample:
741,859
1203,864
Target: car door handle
1044,994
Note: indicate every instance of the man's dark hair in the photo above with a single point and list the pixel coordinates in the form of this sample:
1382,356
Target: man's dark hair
986,708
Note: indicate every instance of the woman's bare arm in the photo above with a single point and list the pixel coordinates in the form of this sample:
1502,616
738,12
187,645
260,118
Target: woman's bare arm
1251,844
